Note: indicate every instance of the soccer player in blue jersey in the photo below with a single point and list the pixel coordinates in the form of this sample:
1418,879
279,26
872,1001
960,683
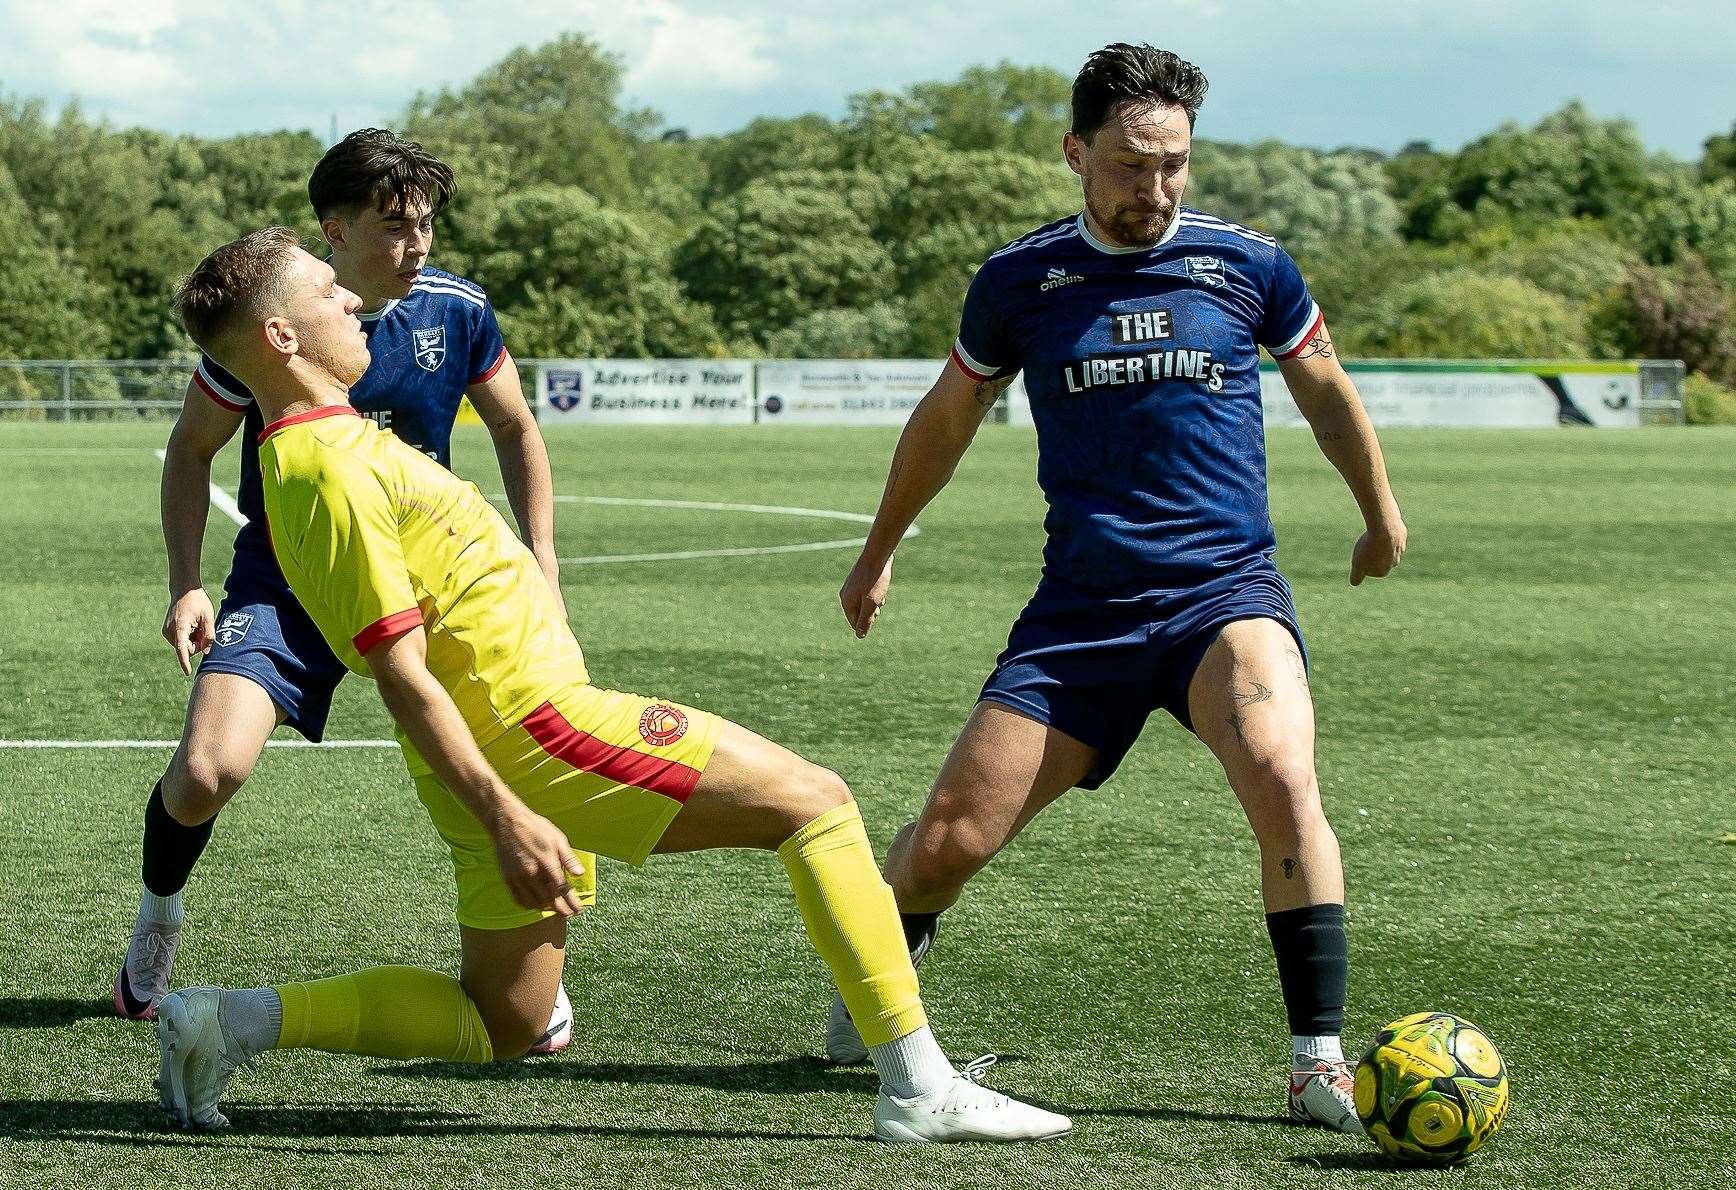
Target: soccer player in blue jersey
434,341
1138,325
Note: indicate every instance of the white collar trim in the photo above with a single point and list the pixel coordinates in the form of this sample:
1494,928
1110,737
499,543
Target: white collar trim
1118,250
381,312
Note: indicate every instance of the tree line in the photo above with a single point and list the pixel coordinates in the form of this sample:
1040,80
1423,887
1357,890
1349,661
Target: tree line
599,231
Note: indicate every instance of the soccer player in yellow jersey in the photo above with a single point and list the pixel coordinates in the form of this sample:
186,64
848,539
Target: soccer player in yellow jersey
415,580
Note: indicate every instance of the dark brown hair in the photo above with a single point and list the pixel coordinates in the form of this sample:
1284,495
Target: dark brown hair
1123,73
372,167
240,280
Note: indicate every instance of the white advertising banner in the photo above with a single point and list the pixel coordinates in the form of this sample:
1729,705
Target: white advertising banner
1506,396
843,392
646,392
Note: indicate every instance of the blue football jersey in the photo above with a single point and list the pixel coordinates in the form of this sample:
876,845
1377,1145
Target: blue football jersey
427,349
1143,369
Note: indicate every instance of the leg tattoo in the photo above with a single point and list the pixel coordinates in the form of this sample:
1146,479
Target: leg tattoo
1243,700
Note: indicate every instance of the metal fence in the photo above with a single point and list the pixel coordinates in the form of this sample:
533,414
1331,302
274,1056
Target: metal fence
109,390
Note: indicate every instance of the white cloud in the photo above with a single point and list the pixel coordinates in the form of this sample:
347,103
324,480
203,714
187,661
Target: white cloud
1367,71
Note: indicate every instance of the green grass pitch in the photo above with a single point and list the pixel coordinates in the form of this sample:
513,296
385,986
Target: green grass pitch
1525,745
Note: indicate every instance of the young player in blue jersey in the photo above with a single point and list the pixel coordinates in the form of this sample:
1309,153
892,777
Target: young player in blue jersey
1138,326
433,341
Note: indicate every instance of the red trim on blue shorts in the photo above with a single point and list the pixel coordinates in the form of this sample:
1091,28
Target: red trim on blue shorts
561,740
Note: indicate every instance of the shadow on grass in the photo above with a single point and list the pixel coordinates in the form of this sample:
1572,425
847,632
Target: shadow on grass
49,1012
787,1076
143,1124
1366,1162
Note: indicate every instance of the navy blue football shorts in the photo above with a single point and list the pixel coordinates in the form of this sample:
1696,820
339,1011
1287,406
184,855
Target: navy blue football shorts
1096,670
263,633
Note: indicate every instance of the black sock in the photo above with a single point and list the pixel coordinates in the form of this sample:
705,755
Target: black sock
171,849
919,933
1313,967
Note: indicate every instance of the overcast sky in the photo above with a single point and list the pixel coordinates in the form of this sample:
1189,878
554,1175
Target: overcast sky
1327,73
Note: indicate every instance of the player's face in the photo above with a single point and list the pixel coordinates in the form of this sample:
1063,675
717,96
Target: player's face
1133,172
328,333
383,251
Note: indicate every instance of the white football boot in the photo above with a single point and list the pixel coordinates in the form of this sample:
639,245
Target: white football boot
144,974
559,1035
1324,1093
964,1109
198,1056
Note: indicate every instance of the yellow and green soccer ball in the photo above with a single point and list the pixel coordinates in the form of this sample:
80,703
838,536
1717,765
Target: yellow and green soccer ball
1431,1087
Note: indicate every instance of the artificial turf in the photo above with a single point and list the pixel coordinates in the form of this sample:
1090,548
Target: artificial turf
1525,743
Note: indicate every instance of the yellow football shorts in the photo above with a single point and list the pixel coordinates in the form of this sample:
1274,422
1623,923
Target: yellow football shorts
612,770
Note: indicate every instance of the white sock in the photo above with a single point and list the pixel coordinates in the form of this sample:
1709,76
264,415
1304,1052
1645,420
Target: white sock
254,1017
913,1065
163,911
1304,1051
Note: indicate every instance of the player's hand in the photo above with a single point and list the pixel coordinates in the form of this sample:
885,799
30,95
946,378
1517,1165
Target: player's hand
864,594
190,626
535,860
1378,551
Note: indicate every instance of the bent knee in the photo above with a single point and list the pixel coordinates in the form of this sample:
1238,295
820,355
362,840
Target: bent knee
199,782
815,790
1282,797
946,852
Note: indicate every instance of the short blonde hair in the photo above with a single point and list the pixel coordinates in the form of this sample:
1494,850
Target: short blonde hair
240,281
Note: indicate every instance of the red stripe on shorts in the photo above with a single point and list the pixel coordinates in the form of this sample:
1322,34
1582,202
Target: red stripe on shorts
561,740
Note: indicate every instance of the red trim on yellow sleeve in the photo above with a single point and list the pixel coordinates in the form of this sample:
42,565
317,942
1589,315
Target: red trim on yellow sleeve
492,368
386,628
314,414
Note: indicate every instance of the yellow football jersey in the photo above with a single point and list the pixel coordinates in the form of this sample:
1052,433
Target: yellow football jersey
375,538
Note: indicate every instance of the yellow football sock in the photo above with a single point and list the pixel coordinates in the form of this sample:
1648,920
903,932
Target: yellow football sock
852,920
385,1012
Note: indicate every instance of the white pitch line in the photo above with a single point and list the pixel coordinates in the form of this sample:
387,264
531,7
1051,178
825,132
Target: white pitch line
67,745
830,514
221,500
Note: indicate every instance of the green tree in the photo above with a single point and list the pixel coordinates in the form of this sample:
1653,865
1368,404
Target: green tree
1309,200
570,277
1570,164
1461,314
1679,311
1719,162
48,300
544,115
773,253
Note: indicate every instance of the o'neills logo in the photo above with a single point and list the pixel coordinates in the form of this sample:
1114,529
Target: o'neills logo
1058,278
661,724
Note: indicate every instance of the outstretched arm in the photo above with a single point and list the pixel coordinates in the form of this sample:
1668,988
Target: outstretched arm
533,854
934,440
524,465
1327,397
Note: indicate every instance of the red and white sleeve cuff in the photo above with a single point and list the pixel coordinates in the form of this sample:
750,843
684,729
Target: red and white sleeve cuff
233,402
1310,327
492,369
970,366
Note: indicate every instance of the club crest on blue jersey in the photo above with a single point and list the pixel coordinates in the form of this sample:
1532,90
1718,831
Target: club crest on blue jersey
233,629
1207,270
430,343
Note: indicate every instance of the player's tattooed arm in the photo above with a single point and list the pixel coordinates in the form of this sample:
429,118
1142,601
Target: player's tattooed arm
987,392
1319,345
1298,667
1243,700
